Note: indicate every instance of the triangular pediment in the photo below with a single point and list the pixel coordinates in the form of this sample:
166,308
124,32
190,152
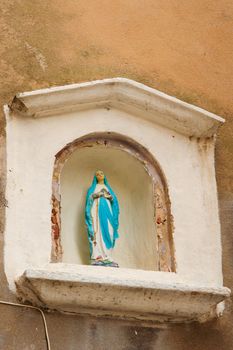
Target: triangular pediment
120,93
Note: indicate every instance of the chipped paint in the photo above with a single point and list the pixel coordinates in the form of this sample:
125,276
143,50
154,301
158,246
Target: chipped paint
163,230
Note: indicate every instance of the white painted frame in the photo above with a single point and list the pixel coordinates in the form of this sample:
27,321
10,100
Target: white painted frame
180,136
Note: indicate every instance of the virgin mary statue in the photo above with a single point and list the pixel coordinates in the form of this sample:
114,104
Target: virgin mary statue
101,216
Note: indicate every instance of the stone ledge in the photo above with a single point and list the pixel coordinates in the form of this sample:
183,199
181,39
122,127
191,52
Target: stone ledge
121,293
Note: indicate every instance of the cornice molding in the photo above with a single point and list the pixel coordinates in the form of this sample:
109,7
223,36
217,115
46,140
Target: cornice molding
123,94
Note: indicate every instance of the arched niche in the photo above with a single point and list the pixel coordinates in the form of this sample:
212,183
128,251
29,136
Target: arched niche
145,219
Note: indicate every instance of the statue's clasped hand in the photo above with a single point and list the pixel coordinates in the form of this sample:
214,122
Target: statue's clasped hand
102,193
106,194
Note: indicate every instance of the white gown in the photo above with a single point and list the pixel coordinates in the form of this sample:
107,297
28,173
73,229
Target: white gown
99,250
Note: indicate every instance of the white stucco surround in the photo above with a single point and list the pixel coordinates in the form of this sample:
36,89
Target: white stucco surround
181,139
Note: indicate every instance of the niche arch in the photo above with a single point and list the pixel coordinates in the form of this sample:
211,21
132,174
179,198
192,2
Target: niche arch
114,143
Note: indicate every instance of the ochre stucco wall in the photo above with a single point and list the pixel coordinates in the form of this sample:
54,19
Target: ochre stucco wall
183,48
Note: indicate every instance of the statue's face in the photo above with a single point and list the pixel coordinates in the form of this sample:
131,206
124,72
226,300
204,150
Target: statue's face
99,175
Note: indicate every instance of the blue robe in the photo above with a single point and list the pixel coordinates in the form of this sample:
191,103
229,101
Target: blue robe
106,216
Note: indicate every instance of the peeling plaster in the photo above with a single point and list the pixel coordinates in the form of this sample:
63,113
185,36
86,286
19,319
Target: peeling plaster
38,55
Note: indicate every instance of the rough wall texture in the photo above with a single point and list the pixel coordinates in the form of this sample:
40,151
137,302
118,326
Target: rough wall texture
183,48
